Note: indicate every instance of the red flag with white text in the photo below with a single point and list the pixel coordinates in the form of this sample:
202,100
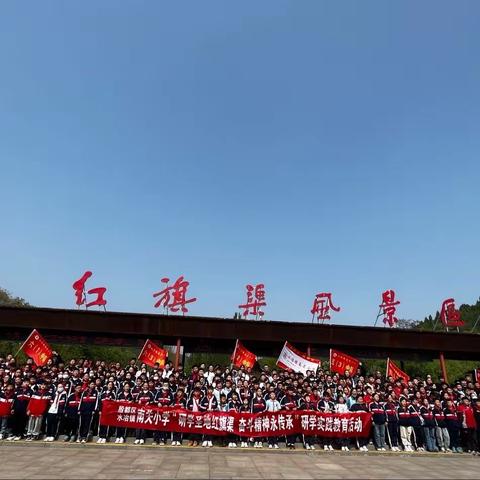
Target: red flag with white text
394,371
341,362
37,348
151,354
242,356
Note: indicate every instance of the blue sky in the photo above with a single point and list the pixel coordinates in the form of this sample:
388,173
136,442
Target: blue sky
312,146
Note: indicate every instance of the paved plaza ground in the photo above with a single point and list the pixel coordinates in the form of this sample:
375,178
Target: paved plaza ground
57,461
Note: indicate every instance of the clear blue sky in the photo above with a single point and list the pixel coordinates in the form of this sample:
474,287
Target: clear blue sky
312,146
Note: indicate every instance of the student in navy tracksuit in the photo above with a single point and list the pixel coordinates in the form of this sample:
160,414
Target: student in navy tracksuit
72,415
290,403
453,426
392,423
426,411
125,396
104,430
417,424
208,404
143,398
308,403
244,408
259,405
234,405
325,405
20,403
179,401
88,406
379,419
163,398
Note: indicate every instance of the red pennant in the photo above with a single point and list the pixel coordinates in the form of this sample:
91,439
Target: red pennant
341,362
151,354
242,356
394,371
37,348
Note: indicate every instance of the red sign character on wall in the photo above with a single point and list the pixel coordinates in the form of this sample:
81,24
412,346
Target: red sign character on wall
388,305
449,316
81,293
174,297
255,300
322,305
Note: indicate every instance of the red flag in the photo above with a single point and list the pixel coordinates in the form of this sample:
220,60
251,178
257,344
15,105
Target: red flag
292,359
37,348
341,362
151,354
477,375
395,372
242,356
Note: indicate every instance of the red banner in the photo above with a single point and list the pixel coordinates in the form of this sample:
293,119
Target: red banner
396,372
151,354
131,415
37,406
341,362
6,407
37,348
242,356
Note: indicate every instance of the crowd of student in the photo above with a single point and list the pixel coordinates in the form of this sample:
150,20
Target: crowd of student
418,415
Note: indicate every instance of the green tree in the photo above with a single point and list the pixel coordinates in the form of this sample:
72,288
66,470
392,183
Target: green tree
6,298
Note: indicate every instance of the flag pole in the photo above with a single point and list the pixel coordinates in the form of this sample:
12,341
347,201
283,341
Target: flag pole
18,351
138,357
330,361
388,369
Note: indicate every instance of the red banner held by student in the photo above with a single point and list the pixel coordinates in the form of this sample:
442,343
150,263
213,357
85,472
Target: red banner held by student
151,354
395,372
341,362
265,424
37,348
242,356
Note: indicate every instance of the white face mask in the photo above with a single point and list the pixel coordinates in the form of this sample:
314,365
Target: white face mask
60,389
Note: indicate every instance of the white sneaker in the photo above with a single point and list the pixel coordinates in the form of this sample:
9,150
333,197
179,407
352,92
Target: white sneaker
99,440
17,438
142,442
270,445
312,447
307,446
122,440
210,443
325,447
46,439
204,443
330,448
275,446
136,442
83,441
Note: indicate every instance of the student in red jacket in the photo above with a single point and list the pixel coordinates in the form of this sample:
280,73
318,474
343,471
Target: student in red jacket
469,425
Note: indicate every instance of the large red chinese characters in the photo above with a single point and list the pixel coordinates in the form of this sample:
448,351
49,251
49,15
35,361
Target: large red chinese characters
321,307
255,301
174,297
388,307
81,293
449,315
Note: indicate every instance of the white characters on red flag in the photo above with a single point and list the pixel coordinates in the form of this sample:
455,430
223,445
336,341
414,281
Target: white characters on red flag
174,298
388,307
292,359
322,305
255,301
